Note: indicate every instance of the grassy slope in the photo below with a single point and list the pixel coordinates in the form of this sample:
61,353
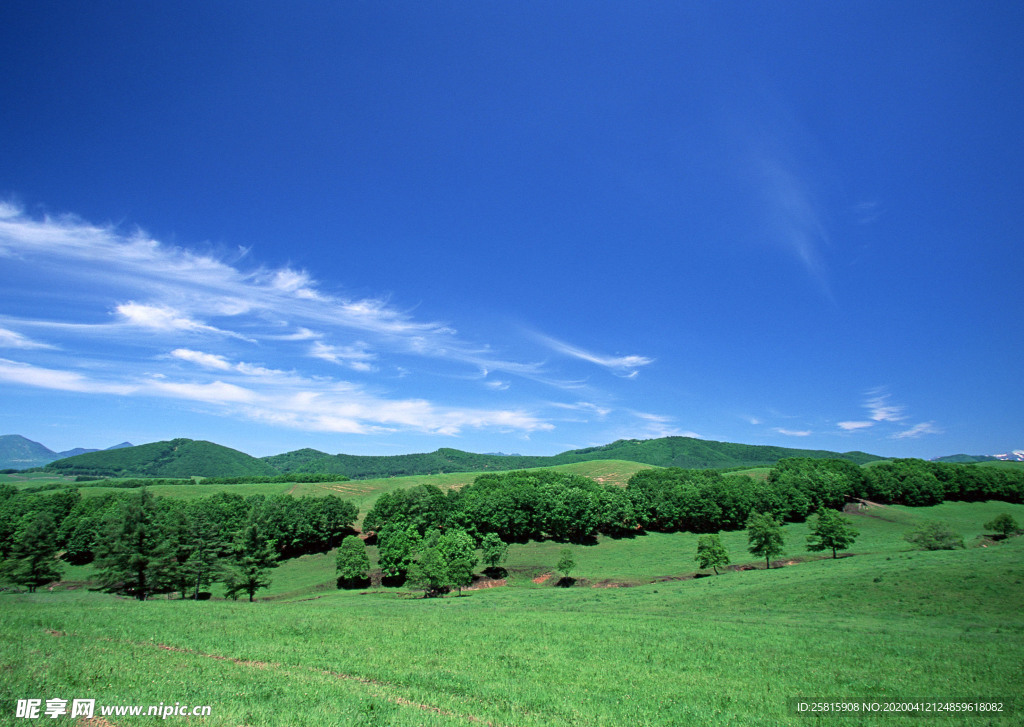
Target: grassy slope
735,649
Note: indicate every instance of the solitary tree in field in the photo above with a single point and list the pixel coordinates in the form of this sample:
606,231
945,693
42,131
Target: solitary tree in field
353,563
830,530
33,558
566,563
1004,524
764,535
711,553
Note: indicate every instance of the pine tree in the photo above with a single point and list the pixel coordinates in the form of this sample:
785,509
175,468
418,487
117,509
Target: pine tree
253,556
205,562
126,553
32,561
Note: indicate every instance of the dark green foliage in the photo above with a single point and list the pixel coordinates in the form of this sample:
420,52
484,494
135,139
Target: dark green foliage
1003,524
174,458
423,508
459,554
934,535
764,536
711,553
252,556
396,548
126,553
916,482
205,550
32,561
429,571
829,529
566,562
518,506
352,563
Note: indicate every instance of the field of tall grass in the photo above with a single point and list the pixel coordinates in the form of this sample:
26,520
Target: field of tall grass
885,625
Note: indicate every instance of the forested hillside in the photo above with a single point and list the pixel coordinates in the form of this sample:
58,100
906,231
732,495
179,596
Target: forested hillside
684,452
174,458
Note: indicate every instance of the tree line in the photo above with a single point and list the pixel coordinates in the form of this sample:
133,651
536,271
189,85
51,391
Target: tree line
521,506
144,545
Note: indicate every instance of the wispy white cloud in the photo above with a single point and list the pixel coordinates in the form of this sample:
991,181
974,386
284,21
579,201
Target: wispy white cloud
794,432
654,426
18,372
795,216
355,357
13,339
315,405
853,426
627,366
584,406
918,430
164,319
881,409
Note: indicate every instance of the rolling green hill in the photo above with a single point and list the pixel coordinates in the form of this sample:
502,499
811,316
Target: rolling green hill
188,458
174,458
665,452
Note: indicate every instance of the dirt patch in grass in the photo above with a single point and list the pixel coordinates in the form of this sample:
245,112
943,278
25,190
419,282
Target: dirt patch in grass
542,578
485,582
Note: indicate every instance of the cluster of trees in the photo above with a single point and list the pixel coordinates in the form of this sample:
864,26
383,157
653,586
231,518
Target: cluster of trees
434,563
143,545
515,506
765,538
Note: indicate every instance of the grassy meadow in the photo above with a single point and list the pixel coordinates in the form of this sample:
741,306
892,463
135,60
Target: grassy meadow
885,624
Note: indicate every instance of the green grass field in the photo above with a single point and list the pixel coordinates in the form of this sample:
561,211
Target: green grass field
885,625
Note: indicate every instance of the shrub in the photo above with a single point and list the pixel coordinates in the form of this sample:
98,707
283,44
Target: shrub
934,535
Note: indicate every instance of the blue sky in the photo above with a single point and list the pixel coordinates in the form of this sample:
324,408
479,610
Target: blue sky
380,228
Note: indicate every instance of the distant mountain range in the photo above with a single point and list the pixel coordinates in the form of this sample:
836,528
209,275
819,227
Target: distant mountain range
18,452
1016,455
187,458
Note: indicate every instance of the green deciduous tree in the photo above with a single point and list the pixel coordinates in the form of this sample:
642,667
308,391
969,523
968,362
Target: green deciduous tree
711,553
829,529
459,553
396,546
429,570
764,535
353,564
